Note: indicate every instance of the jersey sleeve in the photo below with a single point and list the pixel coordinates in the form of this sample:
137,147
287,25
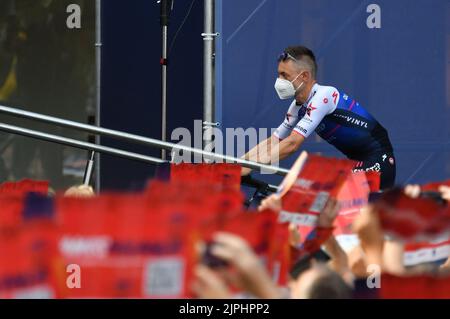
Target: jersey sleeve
290,121
322,104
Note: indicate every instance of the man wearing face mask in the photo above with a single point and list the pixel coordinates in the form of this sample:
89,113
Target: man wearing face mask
332,114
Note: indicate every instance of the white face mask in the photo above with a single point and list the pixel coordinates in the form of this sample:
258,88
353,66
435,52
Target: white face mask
286,89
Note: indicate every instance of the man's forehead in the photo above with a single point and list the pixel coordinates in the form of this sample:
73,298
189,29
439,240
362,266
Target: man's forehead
287,66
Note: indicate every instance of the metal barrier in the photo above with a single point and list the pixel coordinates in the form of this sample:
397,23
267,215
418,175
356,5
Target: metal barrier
78,144
118,135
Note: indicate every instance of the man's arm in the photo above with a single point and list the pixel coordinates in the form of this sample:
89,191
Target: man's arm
295,129
272,150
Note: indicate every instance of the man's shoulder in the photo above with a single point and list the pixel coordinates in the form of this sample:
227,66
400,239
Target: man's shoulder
326,91
326,95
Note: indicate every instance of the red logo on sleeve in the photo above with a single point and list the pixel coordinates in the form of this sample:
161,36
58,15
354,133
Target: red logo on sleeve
310,109
335,96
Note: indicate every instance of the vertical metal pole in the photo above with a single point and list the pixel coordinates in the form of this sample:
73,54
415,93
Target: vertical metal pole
89,168
166,8
208,69
98,63
164,89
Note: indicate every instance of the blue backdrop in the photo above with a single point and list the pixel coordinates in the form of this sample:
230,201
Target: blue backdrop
400,72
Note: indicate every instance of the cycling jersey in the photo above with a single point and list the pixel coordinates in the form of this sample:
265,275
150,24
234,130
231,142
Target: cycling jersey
338,119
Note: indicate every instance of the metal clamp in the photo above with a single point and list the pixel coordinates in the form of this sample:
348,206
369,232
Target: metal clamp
210,36
207,124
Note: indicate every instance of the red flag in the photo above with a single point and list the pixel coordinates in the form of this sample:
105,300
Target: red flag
320,179
434,186
26,265
224,175
268,239
11,211
425,252
414,287
23,187
409,218
124,250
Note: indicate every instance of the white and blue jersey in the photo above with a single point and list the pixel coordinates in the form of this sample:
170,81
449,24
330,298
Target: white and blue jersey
338,119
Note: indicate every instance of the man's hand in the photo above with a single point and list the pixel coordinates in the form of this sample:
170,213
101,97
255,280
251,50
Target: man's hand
258,154
272,150
245,171
273,202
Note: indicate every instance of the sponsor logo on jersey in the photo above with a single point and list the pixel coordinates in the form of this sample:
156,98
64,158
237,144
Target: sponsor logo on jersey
375,168
353,120
310,109
288,116
302,130
306,119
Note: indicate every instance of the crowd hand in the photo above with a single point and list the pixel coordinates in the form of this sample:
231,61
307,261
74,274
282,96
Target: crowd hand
339,260
357,262
249,270
445,192
272,202
209,285
81,191
294,236
393,257
412,190
446,265
367,227
328,213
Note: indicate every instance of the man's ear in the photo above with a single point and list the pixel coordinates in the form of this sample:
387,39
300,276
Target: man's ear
306,76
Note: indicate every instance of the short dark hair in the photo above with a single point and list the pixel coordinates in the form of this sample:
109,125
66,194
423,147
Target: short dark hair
330,286
302,53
